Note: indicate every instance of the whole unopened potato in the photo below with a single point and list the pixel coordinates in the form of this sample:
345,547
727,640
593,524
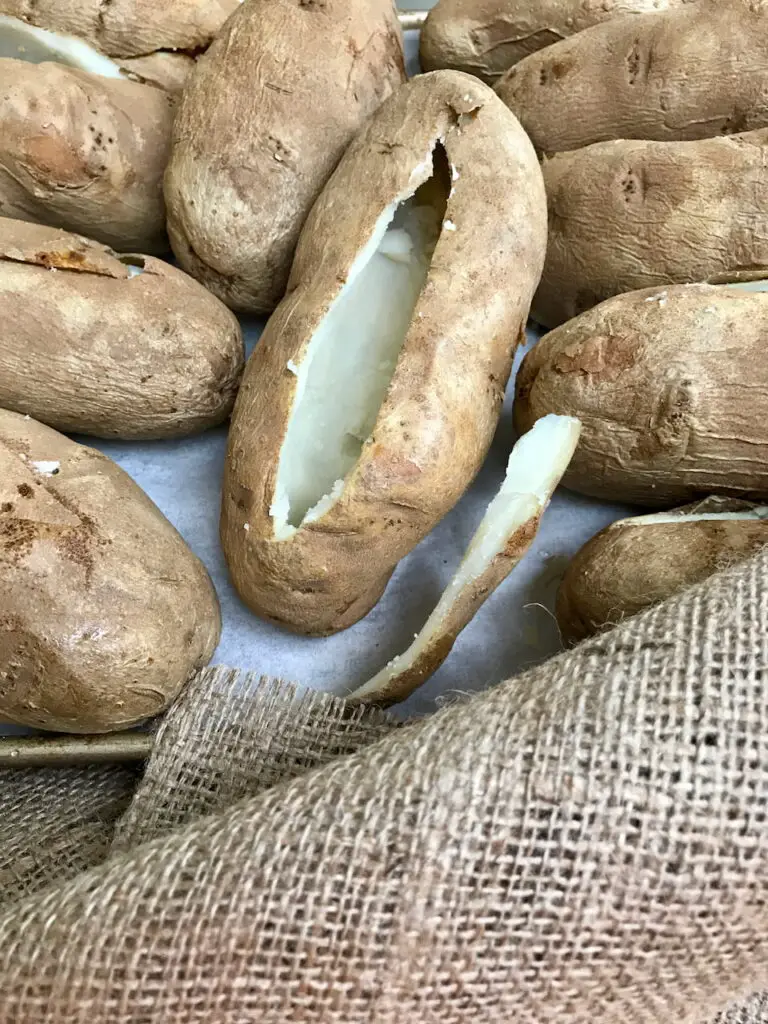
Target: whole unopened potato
639,562
114,346
671,387
628,215
151,41
691,72
486,37
265,117
371,400
84,152
104,611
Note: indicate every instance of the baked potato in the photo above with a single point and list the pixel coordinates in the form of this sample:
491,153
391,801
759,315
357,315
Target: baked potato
486,37
671,387
503,537
639,562
116,346
150,42
370,402
630,215
265,117
694,71
84,152
104,611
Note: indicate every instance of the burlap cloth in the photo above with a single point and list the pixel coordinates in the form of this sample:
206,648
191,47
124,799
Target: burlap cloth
586,843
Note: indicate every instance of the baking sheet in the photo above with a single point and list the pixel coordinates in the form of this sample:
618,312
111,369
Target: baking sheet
514,630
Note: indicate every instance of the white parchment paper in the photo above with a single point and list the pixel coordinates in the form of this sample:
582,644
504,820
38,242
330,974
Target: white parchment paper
515,629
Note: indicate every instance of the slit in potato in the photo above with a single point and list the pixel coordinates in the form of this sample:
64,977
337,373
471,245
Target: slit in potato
21,41
662,518
348,366
505,533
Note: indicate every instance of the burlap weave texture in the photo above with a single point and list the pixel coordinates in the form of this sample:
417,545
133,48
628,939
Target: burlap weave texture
584,843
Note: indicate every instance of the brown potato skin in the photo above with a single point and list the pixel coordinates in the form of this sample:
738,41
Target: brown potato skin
263,121
631,565
693,72
128,28
629,215
486,37
104,611
85,153
168,71
89,349
438,417
671,387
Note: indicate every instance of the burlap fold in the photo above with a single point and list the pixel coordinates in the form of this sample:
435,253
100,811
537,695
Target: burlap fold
585,843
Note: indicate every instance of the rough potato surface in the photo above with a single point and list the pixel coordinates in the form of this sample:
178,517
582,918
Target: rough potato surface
104,611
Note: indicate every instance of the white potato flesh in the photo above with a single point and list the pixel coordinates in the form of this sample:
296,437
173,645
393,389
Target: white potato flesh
36,45
348,365
534,470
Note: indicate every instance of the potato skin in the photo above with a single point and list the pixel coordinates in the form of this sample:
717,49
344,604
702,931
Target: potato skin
629,215
168,71
671,387
104,611
486,37
92,350
85,153
128,28
692,72
632,565
263,121
444,401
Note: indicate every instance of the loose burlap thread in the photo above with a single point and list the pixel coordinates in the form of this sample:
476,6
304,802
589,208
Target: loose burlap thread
584,843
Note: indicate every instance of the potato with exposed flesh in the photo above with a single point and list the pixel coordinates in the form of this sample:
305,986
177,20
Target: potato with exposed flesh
84,152
629,215
151,42
104,611
639,562
115,346
486,37
370,402
693,72
264,119
671,387
502,539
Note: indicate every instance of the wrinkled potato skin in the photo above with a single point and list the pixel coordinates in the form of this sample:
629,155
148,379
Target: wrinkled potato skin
128,28
486,37
263,121
104,611
168,71
90,349
438,417
693,72
629,215
671,387
630,565
85,153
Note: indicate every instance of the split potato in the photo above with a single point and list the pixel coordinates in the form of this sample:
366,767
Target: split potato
265,118
84,152
150,42
370,402
639,562
694,71
503,537
116,346
671,387
629,215
486,37
104,611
